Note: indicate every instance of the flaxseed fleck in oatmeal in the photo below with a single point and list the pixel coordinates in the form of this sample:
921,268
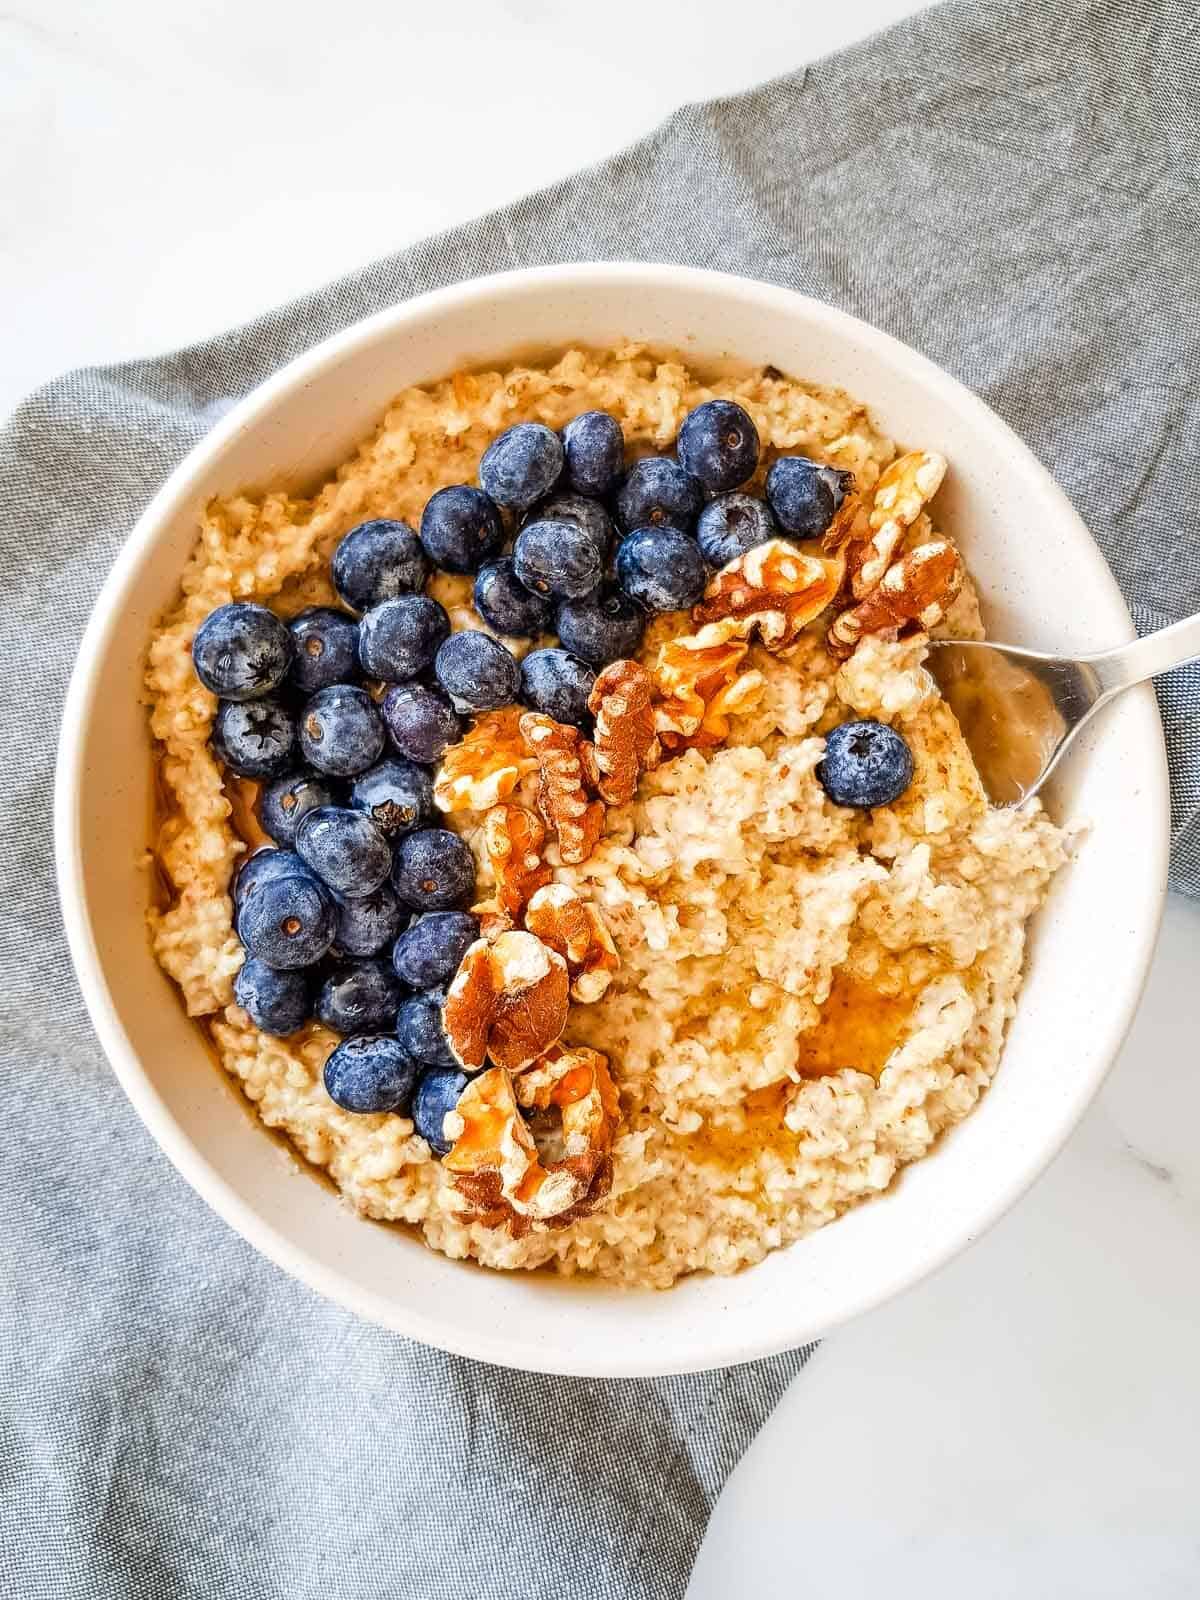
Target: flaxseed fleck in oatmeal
772,1002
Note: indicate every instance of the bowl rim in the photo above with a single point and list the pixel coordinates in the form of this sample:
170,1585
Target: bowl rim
492,1344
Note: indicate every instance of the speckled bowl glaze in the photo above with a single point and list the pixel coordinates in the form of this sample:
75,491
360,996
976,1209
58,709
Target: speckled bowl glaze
1044,583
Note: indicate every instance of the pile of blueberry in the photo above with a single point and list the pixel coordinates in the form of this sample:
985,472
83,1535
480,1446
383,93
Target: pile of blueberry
358,915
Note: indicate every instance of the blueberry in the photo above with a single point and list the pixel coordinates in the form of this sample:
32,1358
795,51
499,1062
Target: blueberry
359,997
557,683
557,557
461,527
421,721
341,731
437,1092
804,495
420,1031
732,524
263,867
377,561
369,925
477,672
590,515
241,651
595,451
326,648
504,602
718,443
430,949
370,1073
282,803
396,794
345,850
657,492
866,764
434,870
399,638
661,568
276,1002
254,738
288,922
605,627
522,465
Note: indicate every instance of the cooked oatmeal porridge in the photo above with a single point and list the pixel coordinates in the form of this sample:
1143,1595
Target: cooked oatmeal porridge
708,1007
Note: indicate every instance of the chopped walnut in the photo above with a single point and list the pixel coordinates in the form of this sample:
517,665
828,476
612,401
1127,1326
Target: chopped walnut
494,1160
774,588
508,1001
562,796
915,589
903,490
699,686
575,928
512,840
492,1153
625,743
485,766
893,592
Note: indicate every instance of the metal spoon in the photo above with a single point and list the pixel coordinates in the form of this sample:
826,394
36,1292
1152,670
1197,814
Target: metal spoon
1019,710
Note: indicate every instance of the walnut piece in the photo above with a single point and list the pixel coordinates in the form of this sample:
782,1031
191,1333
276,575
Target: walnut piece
562,796
495,1162
574,927
915,589
625,744
903,490
893,589
698,685
508,1002
512,840
775,589
485,766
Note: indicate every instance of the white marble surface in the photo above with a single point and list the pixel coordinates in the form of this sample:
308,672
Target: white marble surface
1026,1423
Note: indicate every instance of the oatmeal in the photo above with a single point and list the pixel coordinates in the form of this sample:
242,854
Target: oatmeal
708,1008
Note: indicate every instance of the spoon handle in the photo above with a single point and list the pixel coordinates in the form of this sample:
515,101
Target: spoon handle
1146,658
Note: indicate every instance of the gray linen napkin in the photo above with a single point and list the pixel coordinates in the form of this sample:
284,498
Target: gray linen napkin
1011,190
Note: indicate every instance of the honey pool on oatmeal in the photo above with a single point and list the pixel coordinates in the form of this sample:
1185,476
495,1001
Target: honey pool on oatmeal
566,848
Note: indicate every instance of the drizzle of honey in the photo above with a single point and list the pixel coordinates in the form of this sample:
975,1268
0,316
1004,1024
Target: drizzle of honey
763,1129
859,1028
242,794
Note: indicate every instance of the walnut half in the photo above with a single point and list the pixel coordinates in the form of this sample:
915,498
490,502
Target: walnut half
916,589
625,745
775,590
485,766
512,841
562,795
574,927
893,589
508,1002
494,1160
698,686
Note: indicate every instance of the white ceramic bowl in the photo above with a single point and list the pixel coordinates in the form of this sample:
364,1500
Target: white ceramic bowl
1044,584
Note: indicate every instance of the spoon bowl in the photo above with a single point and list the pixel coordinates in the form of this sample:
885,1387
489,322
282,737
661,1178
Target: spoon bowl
1020,710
